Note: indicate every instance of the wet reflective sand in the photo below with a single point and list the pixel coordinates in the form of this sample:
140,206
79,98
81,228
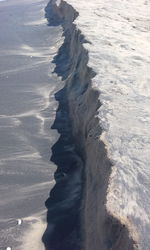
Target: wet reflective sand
27,111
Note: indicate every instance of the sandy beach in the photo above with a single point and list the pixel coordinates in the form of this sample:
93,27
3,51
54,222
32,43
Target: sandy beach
27,111
74,125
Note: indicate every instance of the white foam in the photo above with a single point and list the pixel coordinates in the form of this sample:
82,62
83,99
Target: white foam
32,237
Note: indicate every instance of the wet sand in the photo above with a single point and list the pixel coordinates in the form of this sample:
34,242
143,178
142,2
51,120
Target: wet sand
27,111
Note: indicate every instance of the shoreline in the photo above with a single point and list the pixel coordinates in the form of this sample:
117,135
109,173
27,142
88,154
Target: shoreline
27,111
99,198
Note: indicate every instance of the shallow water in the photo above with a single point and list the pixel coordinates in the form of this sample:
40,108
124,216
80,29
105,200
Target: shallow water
27,111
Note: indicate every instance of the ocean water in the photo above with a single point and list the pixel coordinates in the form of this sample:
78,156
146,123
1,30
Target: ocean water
27,112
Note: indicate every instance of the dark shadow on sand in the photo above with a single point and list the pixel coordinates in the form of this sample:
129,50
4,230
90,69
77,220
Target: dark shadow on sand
64,202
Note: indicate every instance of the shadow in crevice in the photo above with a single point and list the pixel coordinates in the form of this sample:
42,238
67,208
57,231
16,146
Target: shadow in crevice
64,202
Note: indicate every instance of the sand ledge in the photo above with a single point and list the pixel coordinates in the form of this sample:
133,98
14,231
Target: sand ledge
106,231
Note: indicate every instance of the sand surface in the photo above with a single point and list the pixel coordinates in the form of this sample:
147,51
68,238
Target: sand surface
27,111
117,40
119,53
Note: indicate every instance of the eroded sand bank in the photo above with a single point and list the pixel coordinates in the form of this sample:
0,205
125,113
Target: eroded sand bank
109,114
